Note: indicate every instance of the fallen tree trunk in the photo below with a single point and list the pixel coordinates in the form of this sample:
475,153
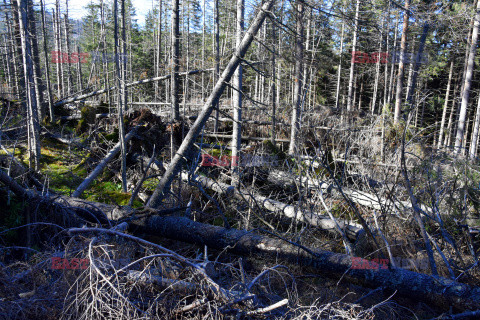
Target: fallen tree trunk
281,178
441,292
94,93
229,136
99,168
353,230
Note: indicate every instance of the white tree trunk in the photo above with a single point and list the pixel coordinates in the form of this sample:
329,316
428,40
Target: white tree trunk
467,83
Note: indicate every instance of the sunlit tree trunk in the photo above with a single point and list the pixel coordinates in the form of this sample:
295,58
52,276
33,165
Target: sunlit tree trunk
468,82
445,105
352,63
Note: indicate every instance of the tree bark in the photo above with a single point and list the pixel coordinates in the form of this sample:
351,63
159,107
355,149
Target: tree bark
298,78
401,65
416,63
216,44
237,97
352,63
47,65
31,97
121,95
99,168
468,82
175,60
445,105
433,290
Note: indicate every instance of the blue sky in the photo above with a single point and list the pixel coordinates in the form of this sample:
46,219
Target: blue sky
76,10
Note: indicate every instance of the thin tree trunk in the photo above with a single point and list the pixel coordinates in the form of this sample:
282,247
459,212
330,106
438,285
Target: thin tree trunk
31,99
468,82
37,78
273,81
58,49
47,65
401,65
297,104
216,43
99,168
121,93
453,112
377,70
67,46
158,48
352,62
79,73
445,105
474,137
237,98
392,71
417,62
175,60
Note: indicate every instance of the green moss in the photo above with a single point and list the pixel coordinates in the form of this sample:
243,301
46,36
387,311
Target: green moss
112,136
110,193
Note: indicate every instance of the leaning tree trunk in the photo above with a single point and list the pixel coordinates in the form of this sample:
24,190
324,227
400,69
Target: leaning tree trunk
467,83
401,65
352,63
207,109
297,103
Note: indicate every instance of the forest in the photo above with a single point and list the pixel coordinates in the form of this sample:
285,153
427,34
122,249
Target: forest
232,159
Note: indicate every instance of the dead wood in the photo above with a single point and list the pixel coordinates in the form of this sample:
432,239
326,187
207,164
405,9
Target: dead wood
97,92
99,168
441,292
353,230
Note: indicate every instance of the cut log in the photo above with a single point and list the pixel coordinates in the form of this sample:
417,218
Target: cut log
441,292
